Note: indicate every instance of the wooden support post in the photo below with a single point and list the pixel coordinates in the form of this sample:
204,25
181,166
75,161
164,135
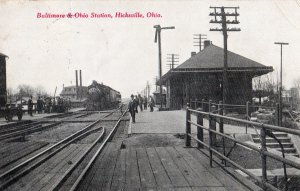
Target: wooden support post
188,127
277,114
209,105
220,112
213,124
248,115
263,157
202,104
199,129
210,141
196,104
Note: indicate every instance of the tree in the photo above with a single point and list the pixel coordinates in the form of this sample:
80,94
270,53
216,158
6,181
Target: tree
265,86
40,91
25,90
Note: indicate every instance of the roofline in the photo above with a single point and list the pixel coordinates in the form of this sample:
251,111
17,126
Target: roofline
231,69
258,70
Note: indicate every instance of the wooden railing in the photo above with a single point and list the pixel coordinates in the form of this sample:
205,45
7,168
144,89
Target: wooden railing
265,130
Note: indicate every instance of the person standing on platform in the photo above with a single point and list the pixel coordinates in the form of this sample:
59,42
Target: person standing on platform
136,100
132,108
39,105
145,102
141,102
151,103
30,106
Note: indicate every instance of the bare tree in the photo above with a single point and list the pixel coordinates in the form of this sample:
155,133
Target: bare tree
40,91
265,86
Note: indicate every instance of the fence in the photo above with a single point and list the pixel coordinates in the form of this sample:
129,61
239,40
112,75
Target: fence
265,130
220,108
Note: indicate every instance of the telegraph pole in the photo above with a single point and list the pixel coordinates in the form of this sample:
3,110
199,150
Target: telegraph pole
199,40
220,17
172,59
158,29
280,87
148,90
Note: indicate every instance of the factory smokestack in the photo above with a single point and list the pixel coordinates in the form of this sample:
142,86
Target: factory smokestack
76,73
80,82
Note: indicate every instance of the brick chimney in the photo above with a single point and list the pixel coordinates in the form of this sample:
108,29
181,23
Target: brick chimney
207,43
193,54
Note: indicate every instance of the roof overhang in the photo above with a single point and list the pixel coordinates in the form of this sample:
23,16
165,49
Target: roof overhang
257,71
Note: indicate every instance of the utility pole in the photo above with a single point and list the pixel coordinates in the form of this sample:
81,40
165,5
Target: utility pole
172,59
155,82
148,90
220,17
158,29
199,40
280,87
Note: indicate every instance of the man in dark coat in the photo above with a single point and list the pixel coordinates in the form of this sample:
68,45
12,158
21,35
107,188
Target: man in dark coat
132,108
30,106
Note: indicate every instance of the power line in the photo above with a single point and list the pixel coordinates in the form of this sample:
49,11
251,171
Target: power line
220,17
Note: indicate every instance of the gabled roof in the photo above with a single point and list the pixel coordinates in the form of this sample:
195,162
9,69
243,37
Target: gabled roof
212,58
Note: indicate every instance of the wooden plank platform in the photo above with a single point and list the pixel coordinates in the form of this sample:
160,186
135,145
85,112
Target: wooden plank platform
157,168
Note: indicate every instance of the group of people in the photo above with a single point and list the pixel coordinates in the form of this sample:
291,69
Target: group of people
47,105
142,103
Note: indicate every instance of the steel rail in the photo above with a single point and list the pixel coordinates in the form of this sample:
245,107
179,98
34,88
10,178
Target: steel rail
13,178
59,182
16,128
8,173
86,169
27,131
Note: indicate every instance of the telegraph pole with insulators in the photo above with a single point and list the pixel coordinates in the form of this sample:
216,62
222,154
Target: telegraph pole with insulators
221,17
172,59
199,38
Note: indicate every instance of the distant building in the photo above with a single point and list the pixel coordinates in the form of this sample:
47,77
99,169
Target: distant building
71,92
201,76
291,98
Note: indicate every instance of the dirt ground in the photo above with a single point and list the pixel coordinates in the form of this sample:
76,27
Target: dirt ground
154,140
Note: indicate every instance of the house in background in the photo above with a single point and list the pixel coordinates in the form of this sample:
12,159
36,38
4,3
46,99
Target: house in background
201,76
74,94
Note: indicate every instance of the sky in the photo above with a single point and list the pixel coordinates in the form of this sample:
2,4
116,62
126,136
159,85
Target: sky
121,53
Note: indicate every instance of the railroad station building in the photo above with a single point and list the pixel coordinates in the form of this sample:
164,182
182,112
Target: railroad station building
201,76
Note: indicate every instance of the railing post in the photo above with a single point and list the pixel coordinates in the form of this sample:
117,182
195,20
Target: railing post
247,115
213,125
199,129
195,104
210,140
220,112
221,129
188,127
202,104
209,105
277,114
263,156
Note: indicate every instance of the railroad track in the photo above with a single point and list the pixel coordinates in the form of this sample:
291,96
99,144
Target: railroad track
90,132
17,131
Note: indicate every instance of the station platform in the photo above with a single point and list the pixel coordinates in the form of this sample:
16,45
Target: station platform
172,122
35,116
153,158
